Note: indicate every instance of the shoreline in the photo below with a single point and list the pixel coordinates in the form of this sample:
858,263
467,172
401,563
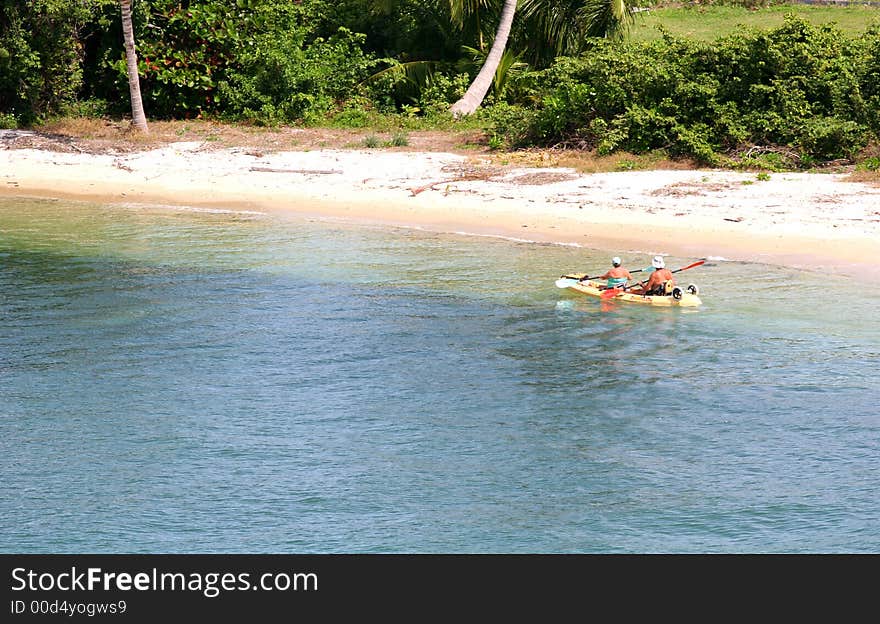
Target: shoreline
811,221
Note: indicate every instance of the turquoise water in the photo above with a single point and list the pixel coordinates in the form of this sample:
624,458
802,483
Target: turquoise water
176,380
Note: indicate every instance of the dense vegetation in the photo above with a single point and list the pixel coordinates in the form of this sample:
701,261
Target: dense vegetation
805,88
795,95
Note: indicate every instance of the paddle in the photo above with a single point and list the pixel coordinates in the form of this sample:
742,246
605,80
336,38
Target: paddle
613,292
565,281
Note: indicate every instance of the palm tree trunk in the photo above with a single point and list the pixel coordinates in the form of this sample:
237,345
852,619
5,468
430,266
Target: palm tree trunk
472,99
138,119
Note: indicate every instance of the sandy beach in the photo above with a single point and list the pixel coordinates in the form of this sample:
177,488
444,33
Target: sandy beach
819,222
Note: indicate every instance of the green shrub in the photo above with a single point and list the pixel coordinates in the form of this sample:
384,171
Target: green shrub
251,60
89,109
441,91
295,81
804,89
355,114
871,163
832,138
399,139
40,56
510,124
8,121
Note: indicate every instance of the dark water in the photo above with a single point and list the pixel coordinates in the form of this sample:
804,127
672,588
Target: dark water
182,381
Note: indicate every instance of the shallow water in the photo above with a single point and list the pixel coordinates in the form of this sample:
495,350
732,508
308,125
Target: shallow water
177,380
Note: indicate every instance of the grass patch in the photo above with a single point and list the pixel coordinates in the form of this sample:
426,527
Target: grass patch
707,23
399,139
371,141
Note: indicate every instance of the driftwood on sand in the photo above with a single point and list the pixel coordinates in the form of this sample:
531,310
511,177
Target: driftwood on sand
464,174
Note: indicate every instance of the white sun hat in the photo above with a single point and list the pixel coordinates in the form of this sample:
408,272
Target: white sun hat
615,261
658,262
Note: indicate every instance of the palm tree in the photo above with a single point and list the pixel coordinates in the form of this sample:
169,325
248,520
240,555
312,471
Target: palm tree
473,97
560,27
138,119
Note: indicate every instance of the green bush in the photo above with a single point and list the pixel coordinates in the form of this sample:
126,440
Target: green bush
399,139
40,55
802,87
353,115
871,163
8,121
295,81
832,138
509,124
441,91
252,60
89,109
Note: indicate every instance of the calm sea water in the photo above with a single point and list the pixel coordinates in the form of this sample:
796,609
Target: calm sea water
175,380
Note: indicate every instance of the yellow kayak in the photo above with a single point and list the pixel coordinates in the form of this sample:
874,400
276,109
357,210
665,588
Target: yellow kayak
683,297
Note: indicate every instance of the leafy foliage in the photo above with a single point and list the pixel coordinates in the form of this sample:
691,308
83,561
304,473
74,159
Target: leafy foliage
251,59
792,96
291,82
40,55
804,87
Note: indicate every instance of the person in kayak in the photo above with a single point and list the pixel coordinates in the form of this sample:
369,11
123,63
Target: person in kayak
616,275
661,281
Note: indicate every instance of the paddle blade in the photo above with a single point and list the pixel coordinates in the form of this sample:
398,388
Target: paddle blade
611,292
690,266
565,282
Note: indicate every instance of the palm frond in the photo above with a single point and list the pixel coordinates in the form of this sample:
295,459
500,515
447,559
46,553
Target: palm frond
417,73
556,22
461,10
608,18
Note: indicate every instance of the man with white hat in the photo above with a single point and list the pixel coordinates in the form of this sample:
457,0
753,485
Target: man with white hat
616,275
661,281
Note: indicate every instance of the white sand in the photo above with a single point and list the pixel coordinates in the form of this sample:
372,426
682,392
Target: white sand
816,221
